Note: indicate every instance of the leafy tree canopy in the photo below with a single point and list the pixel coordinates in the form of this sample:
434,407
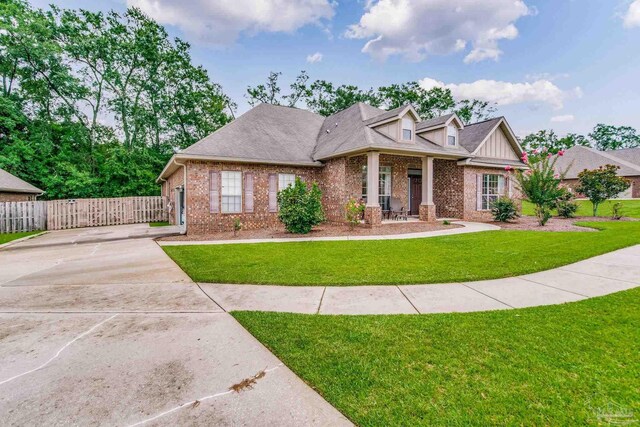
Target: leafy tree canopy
325,98
93,104
603,137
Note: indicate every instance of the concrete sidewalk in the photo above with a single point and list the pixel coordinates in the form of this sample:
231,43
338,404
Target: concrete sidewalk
601,275
467,227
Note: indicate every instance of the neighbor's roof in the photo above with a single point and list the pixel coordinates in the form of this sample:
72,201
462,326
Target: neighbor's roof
579,158
13,184
631,155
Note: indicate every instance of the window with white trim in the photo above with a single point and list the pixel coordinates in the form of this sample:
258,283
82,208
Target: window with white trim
231,191
492,189
285,180
452,135
407,129
384,186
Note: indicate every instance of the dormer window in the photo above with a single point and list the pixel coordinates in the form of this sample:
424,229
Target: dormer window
452,136
407,129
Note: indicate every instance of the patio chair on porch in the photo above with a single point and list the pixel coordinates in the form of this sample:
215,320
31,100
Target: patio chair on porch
397,210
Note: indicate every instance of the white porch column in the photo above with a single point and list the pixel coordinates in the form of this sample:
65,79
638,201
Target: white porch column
373,178
427,208
427,180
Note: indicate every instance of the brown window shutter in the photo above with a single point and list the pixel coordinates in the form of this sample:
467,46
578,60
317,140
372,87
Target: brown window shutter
479,192
273,192
214,192
248,192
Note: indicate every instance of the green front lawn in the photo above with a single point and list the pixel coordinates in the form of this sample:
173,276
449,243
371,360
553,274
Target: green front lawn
546,366
159,224
6,238
463,257
630,208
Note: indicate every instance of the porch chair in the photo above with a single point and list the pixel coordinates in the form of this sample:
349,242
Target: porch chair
397,210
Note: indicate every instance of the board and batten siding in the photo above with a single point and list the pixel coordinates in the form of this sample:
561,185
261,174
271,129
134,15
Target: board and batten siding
497,146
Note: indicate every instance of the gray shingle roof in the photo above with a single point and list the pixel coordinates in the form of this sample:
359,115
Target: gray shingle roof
268,133
631,155
13,184
283,135
384,115
436,121
471,136
579,158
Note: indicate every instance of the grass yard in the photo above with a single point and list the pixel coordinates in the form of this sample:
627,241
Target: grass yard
554,365
159,224
631,208
463,257
8,237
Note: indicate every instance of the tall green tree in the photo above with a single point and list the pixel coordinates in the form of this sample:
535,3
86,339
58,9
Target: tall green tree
93,104
607,137
548,140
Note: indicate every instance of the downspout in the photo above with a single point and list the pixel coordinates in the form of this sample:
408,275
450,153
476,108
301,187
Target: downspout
184,191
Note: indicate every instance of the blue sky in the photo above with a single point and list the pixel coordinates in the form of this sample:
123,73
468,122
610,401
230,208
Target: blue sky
561,64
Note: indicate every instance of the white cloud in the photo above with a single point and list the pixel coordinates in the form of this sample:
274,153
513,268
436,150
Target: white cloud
562,118
221,22
316,57
632,17
507,93
419,28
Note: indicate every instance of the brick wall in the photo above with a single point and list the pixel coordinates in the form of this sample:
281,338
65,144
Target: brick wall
470,195
176,179
333,179
448,188
16,197
199,218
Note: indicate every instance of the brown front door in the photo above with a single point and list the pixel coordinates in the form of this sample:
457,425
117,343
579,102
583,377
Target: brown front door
415,185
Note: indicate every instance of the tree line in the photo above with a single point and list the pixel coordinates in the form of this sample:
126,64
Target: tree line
94,104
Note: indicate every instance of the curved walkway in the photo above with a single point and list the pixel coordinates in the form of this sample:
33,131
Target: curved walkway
467,227
601,275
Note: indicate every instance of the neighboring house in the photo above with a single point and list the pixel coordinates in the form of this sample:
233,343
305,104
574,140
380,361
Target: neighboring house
579,158
13,189
436,168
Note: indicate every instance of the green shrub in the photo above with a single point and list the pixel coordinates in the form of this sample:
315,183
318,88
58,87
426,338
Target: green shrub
616,210
237,226
446,222
354,211
504,209
300,207
565,205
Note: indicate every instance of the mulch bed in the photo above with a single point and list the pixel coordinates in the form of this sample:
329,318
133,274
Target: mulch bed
554,224
324,230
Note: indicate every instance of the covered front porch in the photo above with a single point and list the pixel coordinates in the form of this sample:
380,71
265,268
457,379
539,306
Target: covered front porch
395,186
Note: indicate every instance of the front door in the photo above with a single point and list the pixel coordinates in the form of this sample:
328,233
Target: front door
415,194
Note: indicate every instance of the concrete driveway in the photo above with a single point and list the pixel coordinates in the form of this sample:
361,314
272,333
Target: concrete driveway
99,327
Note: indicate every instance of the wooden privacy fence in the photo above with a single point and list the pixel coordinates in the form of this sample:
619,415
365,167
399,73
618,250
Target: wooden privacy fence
22,216
74,213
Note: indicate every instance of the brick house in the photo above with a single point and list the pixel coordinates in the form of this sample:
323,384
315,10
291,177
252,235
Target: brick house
578,158
434,168
13,189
